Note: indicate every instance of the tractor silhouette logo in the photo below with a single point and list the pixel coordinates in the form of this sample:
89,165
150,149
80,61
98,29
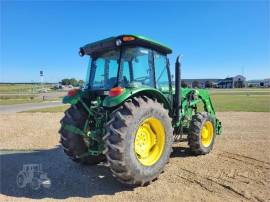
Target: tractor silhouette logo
32,174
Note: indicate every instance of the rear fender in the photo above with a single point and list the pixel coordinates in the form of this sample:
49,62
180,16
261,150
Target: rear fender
110,102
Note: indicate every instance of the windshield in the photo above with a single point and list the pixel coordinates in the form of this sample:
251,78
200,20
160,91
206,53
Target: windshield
135,68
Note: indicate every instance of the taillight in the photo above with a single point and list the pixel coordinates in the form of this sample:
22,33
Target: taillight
73,92
116,91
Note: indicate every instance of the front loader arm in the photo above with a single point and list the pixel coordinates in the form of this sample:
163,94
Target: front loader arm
191,99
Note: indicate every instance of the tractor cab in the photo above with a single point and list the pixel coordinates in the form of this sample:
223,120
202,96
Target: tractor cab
127,61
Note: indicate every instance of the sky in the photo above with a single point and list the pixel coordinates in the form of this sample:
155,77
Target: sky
215,38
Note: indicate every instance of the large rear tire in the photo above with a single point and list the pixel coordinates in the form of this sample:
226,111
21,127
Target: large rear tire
138,141
202,133
73,144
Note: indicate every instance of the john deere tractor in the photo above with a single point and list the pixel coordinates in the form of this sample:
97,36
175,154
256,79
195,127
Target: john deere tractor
130,111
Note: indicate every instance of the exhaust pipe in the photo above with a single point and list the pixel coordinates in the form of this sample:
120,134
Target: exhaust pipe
177,103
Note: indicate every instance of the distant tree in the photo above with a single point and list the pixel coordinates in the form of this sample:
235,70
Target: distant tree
73,82
183,84
208,84
195,84
65,82
80,83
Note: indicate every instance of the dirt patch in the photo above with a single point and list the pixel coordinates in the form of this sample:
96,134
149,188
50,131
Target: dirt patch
238,169
29,130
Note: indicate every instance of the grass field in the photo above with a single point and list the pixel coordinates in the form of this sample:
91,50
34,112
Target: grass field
251,103
22,99
51,109
21,88
246,100
17,88
22,93
9,99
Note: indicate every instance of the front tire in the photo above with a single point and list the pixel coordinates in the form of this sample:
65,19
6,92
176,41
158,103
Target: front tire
138,141
202,133
35,183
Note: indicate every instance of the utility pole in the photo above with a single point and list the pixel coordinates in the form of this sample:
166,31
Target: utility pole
41,78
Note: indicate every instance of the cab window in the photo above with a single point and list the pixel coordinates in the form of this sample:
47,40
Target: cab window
162,79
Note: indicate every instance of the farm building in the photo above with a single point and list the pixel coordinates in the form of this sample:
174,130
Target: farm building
266,82
259,83
255,83
238,81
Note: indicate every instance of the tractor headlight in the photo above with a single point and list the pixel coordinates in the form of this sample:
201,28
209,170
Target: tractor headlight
118,42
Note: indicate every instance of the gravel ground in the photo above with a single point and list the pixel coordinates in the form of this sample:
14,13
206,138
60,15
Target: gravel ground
238,169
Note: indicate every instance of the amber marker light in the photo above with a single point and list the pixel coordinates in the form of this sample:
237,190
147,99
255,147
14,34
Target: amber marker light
128,38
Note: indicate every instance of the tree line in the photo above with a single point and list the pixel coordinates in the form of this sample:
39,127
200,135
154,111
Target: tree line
196,84
72,81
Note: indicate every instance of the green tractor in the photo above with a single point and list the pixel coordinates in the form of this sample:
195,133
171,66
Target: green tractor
130,112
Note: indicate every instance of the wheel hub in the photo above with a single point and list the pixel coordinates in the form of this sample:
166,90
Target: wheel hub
149,141
207,134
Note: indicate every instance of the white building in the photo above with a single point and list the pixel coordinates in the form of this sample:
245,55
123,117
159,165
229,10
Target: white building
266,82
238,81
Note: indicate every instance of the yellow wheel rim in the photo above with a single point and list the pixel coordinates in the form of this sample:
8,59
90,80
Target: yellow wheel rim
149,141
207,134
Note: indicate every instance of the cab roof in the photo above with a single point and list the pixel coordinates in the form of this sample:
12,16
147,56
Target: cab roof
99,47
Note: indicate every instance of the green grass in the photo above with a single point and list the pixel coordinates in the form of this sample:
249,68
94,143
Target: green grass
50,109
246,93
21,88
17,96
16,88
246,101
22,99
17,99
